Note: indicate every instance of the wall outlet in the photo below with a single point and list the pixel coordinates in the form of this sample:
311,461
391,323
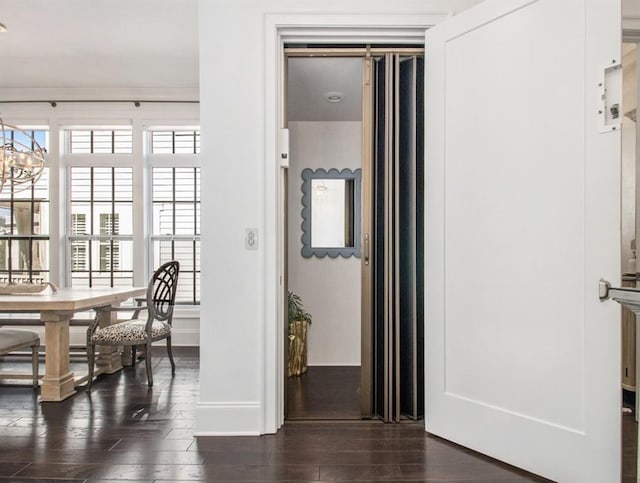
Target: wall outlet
251,238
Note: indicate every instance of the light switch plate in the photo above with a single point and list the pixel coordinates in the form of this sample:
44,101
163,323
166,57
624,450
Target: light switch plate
251,238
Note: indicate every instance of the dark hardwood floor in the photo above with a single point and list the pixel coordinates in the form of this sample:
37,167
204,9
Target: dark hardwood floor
324,392
629,439
124,432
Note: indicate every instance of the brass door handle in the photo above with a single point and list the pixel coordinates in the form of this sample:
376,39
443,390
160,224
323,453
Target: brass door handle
366,249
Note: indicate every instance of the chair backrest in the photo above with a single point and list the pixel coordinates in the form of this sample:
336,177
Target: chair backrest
161,293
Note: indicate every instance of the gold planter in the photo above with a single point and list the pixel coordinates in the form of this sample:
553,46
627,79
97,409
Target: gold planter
298,347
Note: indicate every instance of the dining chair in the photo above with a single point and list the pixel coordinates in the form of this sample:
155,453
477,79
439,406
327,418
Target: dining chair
160,300
17,339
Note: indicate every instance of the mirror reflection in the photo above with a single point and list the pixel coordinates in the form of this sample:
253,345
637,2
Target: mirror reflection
331,213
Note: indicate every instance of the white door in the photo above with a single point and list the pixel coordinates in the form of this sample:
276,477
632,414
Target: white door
522,220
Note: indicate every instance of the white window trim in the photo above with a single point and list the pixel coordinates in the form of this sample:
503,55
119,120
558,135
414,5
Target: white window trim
168,161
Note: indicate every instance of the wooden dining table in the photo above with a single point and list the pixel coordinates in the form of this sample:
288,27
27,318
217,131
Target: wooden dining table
56,310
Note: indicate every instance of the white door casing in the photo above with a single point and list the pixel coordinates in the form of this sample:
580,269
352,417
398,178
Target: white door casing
310,27
522,220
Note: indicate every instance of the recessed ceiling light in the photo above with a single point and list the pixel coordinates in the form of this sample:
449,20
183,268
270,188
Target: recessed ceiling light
334,96
3,27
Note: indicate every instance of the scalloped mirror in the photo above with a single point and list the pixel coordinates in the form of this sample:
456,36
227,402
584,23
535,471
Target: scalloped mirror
331,213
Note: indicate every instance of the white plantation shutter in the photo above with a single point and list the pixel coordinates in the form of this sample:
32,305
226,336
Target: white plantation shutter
101,141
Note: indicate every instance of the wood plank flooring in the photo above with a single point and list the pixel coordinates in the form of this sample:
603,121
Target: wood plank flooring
124,432
324,392
629,439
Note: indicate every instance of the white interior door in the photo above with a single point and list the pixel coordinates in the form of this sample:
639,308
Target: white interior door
522,220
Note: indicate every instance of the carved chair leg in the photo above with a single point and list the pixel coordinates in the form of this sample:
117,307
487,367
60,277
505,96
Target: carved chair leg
35,363
170,353
147,361
134,353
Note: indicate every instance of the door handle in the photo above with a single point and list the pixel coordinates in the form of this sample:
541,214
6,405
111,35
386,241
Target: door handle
366,249
628,297
603,289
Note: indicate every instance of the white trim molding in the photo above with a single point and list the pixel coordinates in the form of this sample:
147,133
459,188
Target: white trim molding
281,28
229,418
29,94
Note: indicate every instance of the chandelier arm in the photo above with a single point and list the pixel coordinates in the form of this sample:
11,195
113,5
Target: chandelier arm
22,159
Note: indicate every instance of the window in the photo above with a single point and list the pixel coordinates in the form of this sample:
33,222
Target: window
101,244
78,248
90,141
109,250
176,226
24,224
101,239
41,137
175,142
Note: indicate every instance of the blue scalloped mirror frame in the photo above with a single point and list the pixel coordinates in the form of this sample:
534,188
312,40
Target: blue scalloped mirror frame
308,175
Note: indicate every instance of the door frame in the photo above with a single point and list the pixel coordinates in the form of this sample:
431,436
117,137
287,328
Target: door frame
303,28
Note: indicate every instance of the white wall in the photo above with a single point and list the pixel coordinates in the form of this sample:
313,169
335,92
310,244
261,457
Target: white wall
235,385
237,389
329,287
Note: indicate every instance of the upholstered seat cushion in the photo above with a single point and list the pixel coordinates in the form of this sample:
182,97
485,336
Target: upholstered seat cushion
130,330
12,339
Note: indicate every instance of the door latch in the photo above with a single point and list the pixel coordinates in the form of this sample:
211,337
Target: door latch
615,111
610,97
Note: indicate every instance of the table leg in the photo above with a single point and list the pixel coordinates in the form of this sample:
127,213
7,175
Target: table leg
109,359
127,359
58,381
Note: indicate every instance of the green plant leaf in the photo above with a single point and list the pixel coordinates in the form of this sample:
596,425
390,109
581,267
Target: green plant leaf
296,309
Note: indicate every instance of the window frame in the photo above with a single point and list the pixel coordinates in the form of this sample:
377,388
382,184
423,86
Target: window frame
167,160
12,199
141,160
94,160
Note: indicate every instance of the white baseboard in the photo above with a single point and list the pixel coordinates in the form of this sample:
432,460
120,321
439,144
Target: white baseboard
228,419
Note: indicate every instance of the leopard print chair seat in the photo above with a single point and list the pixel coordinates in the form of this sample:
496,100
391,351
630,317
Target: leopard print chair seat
160,300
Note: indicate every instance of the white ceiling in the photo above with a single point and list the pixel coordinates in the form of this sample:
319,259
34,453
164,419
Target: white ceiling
99,43
134,44
311,78
93,48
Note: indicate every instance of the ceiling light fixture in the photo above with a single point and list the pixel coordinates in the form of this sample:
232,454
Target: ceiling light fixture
21,158
334,96
3,27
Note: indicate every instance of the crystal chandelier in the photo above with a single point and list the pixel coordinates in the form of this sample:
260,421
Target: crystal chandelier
21,158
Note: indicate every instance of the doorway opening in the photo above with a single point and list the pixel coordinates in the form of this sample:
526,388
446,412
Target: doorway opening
354,223
324,118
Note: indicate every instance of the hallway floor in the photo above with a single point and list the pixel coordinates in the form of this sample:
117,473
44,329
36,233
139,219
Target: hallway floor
124,432
629,439
324,392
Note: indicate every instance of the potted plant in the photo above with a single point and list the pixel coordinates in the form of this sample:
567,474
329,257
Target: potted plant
299,320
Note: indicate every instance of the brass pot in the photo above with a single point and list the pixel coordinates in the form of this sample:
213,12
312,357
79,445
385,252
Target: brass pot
298,347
